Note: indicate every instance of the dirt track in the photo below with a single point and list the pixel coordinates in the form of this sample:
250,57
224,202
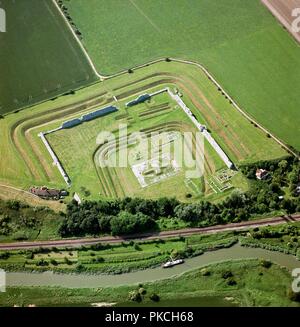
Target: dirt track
282,10
8,192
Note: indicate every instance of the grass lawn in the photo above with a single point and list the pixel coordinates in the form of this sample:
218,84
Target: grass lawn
255,286
39,56
249,53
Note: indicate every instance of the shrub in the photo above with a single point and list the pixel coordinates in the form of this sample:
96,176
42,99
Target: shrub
265,263
137,247
4,255
294,296
154,297
134,296
42,263
231,282
29,255
53,262
99,259
68,261
205,272
227,274
79,267
142,291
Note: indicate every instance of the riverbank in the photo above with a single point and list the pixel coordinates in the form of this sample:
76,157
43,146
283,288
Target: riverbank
235,282
125,257
84,280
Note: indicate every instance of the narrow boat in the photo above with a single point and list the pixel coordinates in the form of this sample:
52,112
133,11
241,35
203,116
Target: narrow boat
172,263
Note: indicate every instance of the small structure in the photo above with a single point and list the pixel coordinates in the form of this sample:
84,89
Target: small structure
142,98
99,113
71,123
45,193
64,193
77,198
261,174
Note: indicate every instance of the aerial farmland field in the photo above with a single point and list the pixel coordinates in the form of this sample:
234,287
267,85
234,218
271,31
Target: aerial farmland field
39,61
139,135
249,53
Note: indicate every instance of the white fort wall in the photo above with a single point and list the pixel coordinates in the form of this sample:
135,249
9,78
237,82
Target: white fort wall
55,159
201,128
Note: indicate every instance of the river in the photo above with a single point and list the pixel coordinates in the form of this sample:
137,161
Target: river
142,276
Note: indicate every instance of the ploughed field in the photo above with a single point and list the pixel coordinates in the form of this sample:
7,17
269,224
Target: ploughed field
283,11
249,53
39,57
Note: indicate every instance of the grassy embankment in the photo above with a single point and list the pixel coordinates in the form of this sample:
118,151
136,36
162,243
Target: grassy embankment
245,283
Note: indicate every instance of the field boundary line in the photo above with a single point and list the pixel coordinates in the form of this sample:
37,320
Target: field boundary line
143,14
78,41
18,190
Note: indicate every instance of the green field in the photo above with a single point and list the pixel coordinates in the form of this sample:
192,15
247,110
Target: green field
39,57
30,163
255,286
241,44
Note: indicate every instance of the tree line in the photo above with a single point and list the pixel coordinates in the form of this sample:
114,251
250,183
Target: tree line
136,215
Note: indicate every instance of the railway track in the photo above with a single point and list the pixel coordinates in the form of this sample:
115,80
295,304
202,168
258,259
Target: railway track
151,236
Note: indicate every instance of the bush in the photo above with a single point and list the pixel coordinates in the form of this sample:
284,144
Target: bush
142,291
295,297
4,255
137,247
53,262
265,263
29,255
205,272
99,259
135,296
79,267
42,263
154,297
68,261
227,274
231,282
